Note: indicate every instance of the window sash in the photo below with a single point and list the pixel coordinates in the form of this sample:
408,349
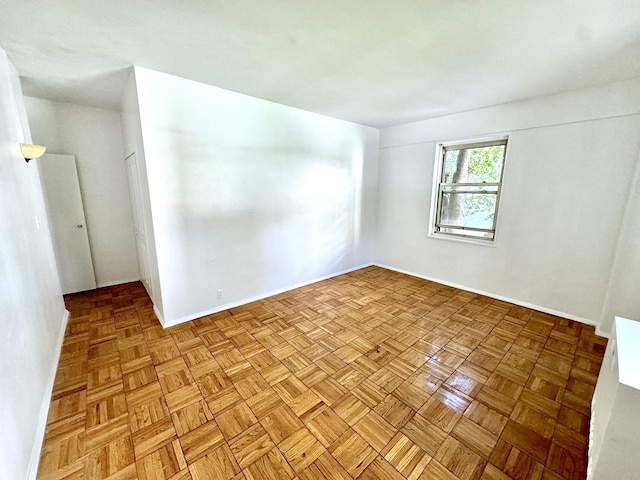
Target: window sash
469,233
468,146
487,188
441,192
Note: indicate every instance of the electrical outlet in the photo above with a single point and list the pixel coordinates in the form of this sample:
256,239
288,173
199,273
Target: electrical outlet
219,294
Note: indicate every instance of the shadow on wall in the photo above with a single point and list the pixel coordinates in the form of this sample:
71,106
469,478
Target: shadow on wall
252,219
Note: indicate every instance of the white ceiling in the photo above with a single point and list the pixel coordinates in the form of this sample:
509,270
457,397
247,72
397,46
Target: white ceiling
374,62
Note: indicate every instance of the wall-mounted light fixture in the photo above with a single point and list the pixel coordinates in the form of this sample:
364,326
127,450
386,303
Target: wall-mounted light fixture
30,151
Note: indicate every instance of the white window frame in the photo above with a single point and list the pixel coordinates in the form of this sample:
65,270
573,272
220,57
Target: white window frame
436,189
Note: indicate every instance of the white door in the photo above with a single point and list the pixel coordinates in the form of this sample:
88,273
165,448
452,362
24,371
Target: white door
138,220
65,212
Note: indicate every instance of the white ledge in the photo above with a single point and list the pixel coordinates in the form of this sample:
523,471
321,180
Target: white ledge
628,341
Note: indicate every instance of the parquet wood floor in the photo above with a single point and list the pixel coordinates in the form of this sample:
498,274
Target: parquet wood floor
369,375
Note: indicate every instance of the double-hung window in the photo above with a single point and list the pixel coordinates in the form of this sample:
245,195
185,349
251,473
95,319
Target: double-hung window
469,179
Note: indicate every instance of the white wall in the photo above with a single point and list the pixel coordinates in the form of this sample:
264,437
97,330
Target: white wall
614,425
133,143
618,458
569,166
624,286
249,196
94,136
604,397
32,313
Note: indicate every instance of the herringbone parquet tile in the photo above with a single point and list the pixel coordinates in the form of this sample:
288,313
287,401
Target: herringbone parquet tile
369,375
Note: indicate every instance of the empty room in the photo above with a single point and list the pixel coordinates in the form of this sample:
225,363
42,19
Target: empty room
331,240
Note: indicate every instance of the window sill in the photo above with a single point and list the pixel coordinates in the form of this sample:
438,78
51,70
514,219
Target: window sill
455,238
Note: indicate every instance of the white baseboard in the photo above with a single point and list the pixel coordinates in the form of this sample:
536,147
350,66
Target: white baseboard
159,315
41,426
502,298
173,323
602,333
117,282
521,303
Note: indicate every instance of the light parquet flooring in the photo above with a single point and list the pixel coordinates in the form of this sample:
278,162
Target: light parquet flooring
369,375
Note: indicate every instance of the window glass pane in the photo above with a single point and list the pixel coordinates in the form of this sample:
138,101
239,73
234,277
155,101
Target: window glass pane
473,165
475,210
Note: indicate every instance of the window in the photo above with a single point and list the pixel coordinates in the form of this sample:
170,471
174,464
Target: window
469,178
